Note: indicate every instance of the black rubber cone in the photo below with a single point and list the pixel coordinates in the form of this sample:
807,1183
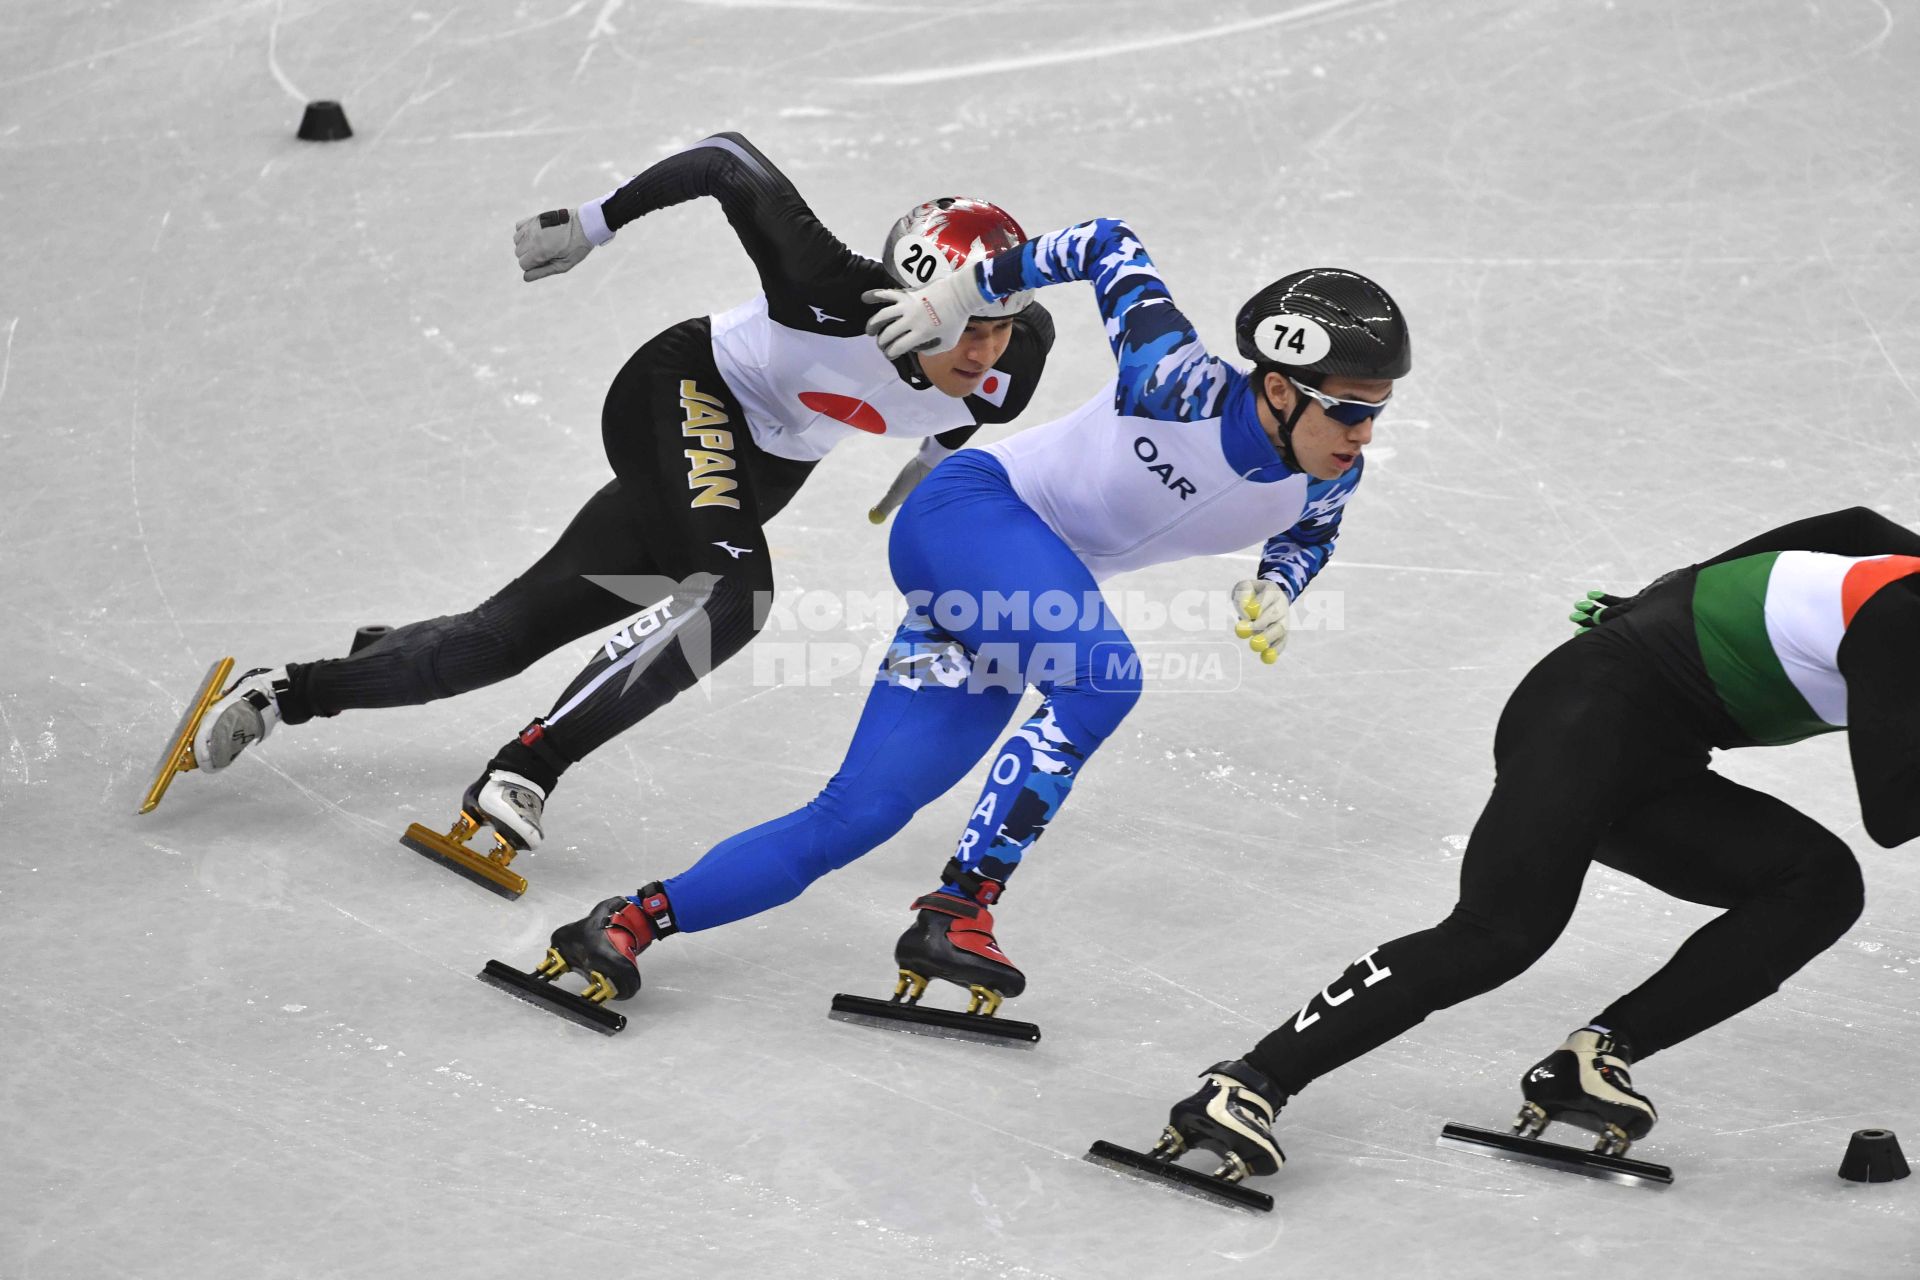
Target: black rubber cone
325,122
367,635
1873,1155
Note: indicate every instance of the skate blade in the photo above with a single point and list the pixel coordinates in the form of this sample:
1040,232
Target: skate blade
921,1020
177,758
488,873
537,990
1178,1178
1492,1142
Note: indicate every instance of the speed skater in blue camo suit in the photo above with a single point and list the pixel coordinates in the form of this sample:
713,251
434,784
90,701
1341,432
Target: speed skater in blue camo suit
1000,552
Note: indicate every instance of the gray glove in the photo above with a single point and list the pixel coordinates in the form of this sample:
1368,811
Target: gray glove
551,243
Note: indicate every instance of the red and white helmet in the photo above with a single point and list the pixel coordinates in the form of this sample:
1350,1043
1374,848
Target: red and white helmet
940,237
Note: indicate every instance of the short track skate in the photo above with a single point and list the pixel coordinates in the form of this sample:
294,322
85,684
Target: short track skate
1158,1166
951,940
1230,1116
1523,1143
177,758
486,868
905,1013
539,986
1583,1083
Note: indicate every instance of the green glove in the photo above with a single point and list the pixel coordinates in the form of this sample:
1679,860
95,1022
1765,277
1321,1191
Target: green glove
1590,611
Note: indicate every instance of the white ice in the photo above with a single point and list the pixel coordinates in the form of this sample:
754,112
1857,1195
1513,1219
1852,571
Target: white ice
1660,260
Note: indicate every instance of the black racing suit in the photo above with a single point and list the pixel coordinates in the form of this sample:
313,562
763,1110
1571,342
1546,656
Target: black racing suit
1601,756
679,526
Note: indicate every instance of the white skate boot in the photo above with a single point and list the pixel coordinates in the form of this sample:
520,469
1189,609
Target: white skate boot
511,805
508,803
245,714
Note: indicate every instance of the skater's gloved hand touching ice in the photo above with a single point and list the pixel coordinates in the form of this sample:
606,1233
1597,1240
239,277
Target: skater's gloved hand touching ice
929,319
1265,612
555,241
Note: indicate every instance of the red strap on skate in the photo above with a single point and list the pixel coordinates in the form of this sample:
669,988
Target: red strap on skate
533,733
629,931
976,935
659,912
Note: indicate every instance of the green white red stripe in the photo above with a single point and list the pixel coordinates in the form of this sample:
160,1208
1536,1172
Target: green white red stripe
1769,628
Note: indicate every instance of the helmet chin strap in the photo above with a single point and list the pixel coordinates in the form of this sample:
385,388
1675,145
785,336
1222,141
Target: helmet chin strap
1287,423
908,367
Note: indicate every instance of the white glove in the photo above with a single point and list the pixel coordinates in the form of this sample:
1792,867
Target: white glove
916,470
929,319
551,243
1264,613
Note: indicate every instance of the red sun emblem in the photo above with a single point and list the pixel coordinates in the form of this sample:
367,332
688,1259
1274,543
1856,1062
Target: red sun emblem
857,414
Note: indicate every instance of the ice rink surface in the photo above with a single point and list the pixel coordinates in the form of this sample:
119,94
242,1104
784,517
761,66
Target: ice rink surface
1659,261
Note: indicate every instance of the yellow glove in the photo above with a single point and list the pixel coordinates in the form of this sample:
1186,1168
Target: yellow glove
1264,614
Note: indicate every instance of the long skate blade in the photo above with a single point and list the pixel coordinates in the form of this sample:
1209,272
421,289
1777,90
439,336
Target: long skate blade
1492,1142
541,991
921,1020
173,760
1175,1177
479,868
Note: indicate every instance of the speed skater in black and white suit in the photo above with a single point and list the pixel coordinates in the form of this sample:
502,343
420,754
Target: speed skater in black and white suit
710,429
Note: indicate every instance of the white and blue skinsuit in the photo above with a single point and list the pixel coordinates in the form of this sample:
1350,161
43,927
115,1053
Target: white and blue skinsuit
1170,461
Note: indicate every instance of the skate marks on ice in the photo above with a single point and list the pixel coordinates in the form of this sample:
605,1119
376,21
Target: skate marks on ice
1552,1155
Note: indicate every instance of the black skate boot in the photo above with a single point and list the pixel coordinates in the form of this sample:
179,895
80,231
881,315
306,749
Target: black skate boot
1583,1083
1232,1117
605,945
952,940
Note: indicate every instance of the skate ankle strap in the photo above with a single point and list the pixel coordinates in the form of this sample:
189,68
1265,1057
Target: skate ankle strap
949,905
972,883
534,739
653,904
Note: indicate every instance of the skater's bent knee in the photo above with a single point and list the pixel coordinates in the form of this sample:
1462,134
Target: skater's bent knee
1491,953
1831,892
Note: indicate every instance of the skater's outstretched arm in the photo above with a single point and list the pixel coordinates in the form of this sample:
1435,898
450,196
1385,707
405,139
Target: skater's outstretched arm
1165,370
1883,710
789,246
1855,531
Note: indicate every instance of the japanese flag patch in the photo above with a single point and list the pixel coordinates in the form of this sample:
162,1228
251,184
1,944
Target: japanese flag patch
993,388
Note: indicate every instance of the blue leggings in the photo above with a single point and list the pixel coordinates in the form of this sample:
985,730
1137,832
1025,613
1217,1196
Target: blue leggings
1003,603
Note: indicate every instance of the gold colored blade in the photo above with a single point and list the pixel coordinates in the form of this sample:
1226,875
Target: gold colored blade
178,756
489,872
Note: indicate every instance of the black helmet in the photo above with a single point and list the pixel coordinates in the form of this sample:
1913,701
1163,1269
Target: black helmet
1328,322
